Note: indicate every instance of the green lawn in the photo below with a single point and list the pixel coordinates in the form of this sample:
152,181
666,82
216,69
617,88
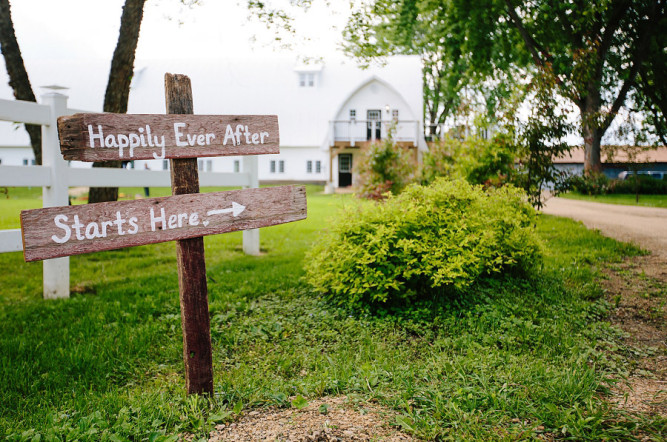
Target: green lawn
510,359
625,199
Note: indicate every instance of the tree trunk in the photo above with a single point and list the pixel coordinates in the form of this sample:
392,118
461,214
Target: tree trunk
591,131
18,77
592,139
118,86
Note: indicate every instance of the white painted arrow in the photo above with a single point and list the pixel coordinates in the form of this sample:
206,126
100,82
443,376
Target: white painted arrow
235,210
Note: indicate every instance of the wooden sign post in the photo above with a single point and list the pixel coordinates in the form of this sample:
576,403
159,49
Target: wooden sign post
186,217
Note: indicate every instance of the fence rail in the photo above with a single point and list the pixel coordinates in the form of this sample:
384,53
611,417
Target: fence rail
55,177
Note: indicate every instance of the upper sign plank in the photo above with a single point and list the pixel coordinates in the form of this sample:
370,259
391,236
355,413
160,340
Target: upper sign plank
127,137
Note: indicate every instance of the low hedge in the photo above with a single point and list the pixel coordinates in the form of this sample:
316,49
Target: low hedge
423,243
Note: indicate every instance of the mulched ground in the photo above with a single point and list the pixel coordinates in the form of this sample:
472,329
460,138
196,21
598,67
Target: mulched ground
343,420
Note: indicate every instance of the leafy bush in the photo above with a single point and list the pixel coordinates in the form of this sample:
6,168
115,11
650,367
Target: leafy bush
477,160
384,167
423,243
599,184
589,184
647,185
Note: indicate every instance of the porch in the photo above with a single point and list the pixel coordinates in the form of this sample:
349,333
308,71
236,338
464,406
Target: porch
361,133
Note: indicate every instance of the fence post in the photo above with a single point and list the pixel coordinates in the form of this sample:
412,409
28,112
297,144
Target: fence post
55,271
251,237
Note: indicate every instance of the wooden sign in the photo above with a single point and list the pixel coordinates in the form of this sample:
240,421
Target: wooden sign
62,231
102,137
186,217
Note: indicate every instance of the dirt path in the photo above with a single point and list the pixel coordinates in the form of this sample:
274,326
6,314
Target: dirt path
644,226
637,288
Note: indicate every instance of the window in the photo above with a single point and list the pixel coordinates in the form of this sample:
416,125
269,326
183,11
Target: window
309,166
200,164
165,164
394,114
306,79
273,166
25,161
209,165
318,166
237,166
353,114
345,163
281,166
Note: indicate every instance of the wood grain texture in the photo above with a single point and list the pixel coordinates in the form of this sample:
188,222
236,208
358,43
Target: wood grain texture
192,286
263,207
262,136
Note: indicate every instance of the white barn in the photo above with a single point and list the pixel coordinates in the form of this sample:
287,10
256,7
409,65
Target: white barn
327,112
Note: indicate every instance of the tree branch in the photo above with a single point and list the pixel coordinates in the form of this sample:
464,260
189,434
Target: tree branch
637,58
532,45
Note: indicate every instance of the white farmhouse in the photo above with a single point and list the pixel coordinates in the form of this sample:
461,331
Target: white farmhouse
327,111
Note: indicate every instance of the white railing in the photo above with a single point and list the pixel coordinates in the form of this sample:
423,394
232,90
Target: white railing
55,178
354,131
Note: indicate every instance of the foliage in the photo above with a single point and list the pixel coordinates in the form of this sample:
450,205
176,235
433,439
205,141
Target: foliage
384,167
521,359
591,184
436,31
479,161
541,138
641,184
593,50
423,243
599,184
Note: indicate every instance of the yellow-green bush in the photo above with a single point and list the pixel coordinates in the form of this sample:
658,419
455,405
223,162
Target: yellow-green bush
446,235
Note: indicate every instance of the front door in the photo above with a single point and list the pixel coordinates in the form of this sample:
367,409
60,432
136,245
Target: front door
373,116
344,170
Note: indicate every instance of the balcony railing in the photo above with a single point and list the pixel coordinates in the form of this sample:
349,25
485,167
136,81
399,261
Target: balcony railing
356,131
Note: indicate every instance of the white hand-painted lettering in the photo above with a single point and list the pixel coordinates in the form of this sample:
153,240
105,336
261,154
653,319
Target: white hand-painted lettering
94,229
131,140
58,220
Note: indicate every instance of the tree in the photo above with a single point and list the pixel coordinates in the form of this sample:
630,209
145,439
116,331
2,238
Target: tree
594,50
18,77
434,31
118,87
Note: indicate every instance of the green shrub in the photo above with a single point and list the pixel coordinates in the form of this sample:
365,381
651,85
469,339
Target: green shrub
646,184
589,184
477,160
384,167
423,243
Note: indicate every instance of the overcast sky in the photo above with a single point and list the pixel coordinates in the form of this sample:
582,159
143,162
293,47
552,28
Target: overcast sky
88,29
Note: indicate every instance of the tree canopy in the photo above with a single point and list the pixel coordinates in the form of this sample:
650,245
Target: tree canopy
600,53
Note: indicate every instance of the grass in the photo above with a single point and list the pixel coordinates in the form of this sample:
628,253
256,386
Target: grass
514,359
624,199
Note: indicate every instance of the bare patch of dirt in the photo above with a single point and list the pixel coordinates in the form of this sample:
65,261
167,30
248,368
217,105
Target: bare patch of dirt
322,420
637,289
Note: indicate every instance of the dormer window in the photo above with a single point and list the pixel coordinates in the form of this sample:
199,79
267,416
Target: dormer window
307,79
309,74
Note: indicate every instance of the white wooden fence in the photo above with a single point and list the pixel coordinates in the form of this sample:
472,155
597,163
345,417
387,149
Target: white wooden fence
55,177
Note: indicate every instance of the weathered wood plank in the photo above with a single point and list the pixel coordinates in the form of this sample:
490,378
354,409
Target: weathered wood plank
96,227
102,137
192,286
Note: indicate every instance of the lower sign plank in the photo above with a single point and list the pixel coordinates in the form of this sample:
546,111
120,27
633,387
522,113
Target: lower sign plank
62,231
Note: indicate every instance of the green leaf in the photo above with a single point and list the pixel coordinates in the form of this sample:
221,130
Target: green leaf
299,402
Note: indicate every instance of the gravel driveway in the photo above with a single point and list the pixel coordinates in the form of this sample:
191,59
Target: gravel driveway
644,226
